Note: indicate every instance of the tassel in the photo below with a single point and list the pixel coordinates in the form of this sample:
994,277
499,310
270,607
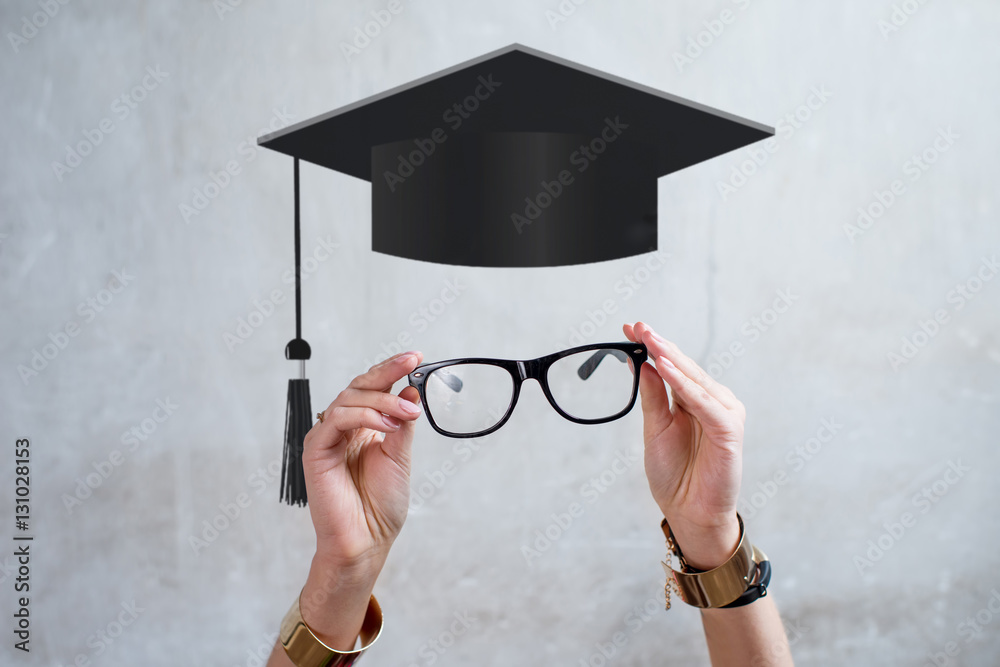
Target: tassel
298,421
298,413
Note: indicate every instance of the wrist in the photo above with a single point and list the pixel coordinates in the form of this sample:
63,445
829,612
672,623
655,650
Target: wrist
335,598
706,547
357,569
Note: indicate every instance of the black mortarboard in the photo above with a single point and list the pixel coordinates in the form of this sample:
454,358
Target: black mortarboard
513,159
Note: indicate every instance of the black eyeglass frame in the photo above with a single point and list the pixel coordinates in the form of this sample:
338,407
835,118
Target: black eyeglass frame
531,369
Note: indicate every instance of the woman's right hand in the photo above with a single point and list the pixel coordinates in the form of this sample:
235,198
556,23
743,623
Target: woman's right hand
357,465
357,472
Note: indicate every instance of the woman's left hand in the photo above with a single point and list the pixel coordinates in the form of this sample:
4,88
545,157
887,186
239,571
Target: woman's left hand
693,450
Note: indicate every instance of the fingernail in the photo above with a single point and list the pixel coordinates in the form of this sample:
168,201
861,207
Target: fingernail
407,406
390,422
666,362
405,356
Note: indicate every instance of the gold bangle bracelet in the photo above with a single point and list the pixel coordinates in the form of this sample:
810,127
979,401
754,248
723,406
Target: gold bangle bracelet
305,649
721,585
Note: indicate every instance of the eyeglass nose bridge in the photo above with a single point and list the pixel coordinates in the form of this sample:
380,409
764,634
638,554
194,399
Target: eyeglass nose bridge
530,370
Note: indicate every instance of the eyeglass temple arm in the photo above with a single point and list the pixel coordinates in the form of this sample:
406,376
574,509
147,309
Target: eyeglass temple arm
588,367
452,382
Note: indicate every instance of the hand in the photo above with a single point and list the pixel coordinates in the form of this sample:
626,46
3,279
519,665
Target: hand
357,479
693,450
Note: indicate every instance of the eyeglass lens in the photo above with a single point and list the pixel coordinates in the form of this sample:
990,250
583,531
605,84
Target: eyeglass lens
595,384
468,398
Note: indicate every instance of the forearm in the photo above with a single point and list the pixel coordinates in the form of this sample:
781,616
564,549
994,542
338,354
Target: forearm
333,602
751,635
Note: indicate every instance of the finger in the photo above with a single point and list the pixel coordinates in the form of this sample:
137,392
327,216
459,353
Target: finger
696,400
656,415
388,403
411,395
339,419
381,377
633,335
658,346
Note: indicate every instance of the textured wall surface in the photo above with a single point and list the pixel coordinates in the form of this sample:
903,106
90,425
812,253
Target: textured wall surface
843,438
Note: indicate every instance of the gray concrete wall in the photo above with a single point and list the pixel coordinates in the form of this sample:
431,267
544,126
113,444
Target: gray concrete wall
787,227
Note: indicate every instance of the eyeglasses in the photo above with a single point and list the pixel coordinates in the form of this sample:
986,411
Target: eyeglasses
590,384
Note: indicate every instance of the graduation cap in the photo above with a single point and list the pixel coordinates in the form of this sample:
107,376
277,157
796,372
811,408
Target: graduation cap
513,159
